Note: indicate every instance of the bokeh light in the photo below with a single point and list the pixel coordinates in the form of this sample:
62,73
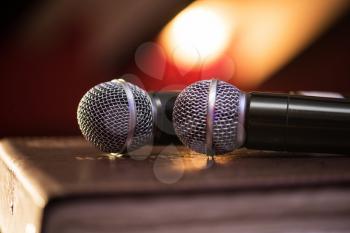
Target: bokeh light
244,42
198,33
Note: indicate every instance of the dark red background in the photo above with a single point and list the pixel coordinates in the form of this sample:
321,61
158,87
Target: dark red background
40,89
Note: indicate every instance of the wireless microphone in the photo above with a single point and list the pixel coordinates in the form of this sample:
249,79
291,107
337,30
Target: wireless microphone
118,117
214,117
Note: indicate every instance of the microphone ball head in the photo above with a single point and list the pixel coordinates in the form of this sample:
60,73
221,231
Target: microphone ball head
208,117
116,116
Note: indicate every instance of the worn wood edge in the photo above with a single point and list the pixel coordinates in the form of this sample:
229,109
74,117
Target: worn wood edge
18,210
39,186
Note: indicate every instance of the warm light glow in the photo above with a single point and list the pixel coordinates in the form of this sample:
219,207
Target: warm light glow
197,34
258,37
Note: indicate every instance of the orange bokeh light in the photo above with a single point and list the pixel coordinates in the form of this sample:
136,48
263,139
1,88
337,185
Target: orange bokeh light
196,35
259,36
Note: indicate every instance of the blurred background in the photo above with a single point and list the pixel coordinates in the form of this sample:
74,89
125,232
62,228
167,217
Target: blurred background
53,51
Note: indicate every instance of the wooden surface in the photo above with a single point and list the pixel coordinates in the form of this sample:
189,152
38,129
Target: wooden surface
56,181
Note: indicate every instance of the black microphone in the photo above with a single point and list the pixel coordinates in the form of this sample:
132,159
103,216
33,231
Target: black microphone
119,117
214,117
163,104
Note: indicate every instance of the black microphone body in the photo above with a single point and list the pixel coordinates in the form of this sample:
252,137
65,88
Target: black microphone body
297,123
163,103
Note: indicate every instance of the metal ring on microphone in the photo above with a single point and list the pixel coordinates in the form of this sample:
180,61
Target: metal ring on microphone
132,112
241,134
210,116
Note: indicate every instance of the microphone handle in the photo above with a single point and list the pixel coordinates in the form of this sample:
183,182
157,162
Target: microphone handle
163,103
297,123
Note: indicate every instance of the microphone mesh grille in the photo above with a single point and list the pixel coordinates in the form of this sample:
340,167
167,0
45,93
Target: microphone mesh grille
103,116
190,116
226,118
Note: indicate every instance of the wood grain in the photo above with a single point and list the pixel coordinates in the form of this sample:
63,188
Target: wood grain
65,185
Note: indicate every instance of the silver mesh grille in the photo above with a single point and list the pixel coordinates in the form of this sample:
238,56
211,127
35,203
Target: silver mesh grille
190,117
103,115
225,118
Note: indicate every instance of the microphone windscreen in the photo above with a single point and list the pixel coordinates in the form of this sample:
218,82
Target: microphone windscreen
104,115
190,117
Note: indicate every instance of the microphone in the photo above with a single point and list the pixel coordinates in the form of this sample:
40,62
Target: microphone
214,117
118,117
